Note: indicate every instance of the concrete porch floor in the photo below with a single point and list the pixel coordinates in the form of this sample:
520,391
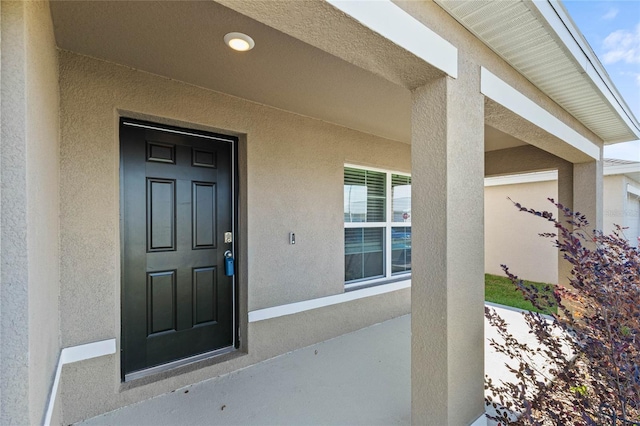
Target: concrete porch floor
361,378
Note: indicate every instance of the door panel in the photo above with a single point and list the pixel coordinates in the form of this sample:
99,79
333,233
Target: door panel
177,203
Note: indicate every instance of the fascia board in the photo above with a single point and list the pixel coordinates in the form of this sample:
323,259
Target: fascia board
396,25
621,169
502,93
633,190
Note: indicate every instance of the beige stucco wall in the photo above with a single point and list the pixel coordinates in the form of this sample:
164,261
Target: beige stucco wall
293,183
447,293
14,300
511,237
43,206
621,207
632,216
30,211
615,194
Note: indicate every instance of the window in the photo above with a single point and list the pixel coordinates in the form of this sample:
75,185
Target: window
377,224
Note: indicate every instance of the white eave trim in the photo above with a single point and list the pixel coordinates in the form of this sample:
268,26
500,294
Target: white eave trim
562,24
496,89
546,176
622,169
321,302
633,190
396,25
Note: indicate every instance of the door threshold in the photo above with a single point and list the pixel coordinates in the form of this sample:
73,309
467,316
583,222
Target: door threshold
177,363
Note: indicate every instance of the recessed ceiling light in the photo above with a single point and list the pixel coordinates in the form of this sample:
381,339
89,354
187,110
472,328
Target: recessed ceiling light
238,41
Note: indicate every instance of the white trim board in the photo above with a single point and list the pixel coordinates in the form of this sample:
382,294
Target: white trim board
633,190
396,25
521,178
495,88
481,421
321,302
622,169
74,354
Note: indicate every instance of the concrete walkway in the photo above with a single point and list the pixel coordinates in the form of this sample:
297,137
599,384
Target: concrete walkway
361,378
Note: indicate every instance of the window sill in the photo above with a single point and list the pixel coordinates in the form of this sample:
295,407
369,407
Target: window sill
373,283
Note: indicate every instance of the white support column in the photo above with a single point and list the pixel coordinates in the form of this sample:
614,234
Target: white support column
447,293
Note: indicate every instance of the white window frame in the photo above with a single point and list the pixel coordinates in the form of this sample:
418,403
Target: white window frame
388,225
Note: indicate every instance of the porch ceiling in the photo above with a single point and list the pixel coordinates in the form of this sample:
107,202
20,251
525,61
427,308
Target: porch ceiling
494,140
184,41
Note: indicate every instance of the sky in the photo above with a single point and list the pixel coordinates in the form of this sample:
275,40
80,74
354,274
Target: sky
612,28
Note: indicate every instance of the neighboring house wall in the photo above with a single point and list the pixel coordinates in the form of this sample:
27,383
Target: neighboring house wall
615,199
291,181
29,338
511,236
633,215
622,206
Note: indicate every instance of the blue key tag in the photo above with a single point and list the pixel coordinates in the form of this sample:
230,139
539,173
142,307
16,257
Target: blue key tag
229,269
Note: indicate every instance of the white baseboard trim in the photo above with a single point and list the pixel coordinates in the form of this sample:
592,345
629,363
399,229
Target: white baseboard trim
74,354
480,421
306,305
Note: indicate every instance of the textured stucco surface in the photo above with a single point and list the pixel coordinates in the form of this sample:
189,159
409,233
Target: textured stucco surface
631,214
614,200
307,21
587,191
521,159
163,37
293,180
511,237
447,287
14,343
292,164
579,185
43,162
30,210
621,207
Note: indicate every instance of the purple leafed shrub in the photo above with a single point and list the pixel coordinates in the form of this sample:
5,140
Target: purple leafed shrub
585,367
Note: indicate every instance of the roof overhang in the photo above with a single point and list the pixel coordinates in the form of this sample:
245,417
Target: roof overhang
548,49
631,169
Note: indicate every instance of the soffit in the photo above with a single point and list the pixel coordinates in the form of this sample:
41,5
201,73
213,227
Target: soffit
528,43
184,41
494,140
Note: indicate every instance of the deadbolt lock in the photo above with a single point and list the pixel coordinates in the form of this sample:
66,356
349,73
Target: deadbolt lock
228,237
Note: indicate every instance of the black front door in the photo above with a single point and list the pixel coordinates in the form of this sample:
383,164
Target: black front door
177,216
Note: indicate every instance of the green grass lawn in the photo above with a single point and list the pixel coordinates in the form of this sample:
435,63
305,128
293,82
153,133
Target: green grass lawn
501,290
